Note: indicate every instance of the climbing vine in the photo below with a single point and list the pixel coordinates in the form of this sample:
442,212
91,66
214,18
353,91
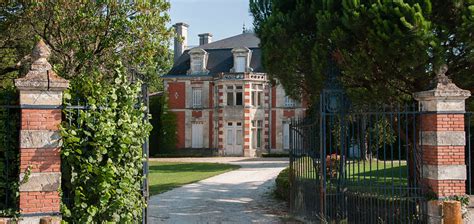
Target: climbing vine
102,151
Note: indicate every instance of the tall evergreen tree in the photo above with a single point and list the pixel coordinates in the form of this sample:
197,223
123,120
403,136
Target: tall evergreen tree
386,49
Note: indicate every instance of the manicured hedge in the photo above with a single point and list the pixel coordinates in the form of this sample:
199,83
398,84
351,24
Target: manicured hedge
282,190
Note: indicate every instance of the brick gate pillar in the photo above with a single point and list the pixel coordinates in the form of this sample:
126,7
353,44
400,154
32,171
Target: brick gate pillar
40,162
443,140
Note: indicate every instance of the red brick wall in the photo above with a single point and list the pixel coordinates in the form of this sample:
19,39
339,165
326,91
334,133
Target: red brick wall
197,113
273,140
181,126
40,160
288,113
176,95
443,154
211,129
40,202
40,119
445,188
211,95
442,122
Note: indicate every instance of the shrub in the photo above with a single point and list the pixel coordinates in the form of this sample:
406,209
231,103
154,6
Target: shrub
282,190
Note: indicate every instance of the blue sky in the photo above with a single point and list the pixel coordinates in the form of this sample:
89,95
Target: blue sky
222,18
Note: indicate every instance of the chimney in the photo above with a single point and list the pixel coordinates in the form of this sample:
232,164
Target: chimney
180,40
205,38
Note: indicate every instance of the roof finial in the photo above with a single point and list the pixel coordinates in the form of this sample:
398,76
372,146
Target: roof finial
441,77
243,28
40,55
40,51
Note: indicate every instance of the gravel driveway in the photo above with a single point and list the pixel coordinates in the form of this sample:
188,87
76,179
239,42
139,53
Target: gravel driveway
239,196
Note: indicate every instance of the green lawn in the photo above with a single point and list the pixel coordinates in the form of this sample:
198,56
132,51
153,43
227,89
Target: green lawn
363,176
165,176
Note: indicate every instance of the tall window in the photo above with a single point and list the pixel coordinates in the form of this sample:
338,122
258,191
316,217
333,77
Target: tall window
197,97
240,64
289,102
257,95
257,130
234,95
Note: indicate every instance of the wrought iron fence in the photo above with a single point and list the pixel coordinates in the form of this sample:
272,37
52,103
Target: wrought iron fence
9,151
357,166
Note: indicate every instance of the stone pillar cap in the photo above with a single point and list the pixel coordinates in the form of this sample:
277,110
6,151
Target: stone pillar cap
41,77
443,89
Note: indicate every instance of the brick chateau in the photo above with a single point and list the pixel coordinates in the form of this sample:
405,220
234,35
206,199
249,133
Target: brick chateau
223,99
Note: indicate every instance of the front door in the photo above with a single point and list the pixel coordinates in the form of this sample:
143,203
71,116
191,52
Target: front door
197,136
234,136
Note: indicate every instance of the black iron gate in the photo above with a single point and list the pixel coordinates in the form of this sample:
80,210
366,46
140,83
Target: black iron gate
9,152
356,164
469,128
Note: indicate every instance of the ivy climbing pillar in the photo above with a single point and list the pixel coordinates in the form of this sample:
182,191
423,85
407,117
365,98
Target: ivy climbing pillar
41,92
443,141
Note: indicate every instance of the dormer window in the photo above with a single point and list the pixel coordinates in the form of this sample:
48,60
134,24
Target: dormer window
240,64
196,65
242,57
198,61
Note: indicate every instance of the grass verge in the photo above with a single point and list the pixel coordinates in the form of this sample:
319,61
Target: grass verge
165,176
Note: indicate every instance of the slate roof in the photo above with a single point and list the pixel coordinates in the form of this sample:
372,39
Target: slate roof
249,40
220,58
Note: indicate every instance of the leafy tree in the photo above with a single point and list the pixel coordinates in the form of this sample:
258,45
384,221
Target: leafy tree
386,49
88,34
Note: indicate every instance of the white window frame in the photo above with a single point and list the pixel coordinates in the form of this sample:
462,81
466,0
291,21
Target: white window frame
234,90
197,134
257,128
197,65
197,97
240,64
257,95
289,102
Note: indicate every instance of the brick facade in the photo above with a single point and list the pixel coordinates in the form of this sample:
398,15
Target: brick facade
177,95
216,115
